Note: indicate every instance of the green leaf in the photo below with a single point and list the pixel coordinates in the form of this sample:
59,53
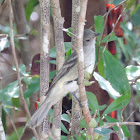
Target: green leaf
129,49
93,103
63,128
27,80
101,69
111,38
70,30
33,138
137,59
116,76
63,137
98,25
132,71
30,7
65,117
105,137
130,33
22,69
115,73
101,123
53,62
117,104
93,123
34,86
103,131
79,138
125,131
4,118
52,74
88,83
130,3
53,50
110,119
83,123
13,136
9,92
136,17
102,107
116,2
105,85
68,53
15,102
123,48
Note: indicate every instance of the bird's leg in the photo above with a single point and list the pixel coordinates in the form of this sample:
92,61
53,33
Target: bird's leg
73,94
77,81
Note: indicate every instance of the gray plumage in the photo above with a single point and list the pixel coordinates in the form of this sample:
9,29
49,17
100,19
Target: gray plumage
65,80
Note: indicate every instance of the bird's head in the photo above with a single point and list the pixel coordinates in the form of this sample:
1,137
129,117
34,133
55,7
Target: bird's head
89,37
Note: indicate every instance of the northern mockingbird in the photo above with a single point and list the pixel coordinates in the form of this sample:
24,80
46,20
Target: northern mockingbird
67,78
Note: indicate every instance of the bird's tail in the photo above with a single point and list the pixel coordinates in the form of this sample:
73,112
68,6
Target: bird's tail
40,114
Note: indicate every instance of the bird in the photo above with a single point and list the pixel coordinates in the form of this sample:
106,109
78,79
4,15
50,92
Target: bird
66,80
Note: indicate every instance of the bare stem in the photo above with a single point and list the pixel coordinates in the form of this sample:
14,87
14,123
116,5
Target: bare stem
79,50
11,18
44,59
118,123
60,59
76,109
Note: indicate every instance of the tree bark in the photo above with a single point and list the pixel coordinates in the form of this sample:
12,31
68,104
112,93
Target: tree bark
79,49
76,110
44,59
21,29
60,59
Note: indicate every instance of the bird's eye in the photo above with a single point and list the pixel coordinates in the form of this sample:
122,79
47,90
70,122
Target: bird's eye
87,40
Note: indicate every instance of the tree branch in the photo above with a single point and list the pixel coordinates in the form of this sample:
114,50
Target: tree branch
20,20
60,59
11,18
79,50
118,124
76,110
44,59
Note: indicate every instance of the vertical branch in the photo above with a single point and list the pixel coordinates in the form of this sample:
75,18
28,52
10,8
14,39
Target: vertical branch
2,133
11,18
26,53
20,20
44,58
60,59
76,110
79,50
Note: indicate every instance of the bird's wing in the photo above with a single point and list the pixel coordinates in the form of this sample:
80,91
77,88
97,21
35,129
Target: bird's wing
67,66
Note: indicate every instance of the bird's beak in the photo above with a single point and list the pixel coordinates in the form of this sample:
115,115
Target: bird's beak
96,34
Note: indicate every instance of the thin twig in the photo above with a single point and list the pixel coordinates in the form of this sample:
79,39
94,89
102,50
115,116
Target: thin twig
11,18
12,122
115,7
118,123
132,113
67,31
109,38
23,131
95,114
